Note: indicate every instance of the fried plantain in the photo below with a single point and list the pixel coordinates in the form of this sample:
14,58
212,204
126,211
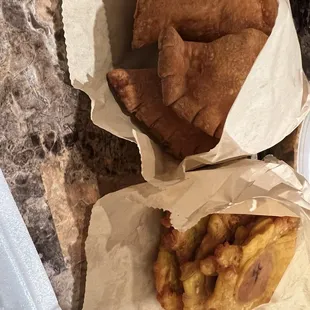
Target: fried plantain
208,266
249,273
167,282
186,243
238,275
242,233
194,283
221,228
176,247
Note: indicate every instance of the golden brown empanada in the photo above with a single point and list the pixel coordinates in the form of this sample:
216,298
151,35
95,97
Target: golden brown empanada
201,81
201,20
140,92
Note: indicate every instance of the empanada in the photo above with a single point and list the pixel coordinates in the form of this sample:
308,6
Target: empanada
201,20
201,81
140,92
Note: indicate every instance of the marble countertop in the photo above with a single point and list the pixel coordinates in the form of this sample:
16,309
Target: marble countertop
55,160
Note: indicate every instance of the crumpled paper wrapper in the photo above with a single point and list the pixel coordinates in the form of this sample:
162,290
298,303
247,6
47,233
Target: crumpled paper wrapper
124,230
271,104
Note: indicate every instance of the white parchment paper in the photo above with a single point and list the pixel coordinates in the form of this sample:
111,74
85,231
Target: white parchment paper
124,230
270,105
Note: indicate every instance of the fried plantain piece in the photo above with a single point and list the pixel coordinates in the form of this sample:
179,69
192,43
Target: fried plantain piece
242,233
175,247
201,20
168,286
140,92
208,266
248,274
186,243
201,81
170,300
195,287
221,228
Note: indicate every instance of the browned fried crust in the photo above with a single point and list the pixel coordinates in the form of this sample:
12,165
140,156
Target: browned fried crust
185,243
201,20
140,92
233,276
221,228
201,81
248,274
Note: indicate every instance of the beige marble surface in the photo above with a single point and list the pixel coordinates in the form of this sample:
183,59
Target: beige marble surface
55,160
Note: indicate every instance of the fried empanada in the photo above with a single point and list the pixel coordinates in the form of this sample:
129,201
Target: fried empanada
248,274
140,92
201,81
201,20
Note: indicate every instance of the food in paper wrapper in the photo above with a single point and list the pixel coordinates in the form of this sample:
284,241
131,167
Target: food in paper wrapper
245,261
201,81
274,90
198,81
201,20
140,92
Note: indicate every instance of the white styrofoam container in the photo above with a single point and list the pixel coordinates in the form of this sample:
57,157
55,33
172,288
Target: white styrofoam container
24,284
303,153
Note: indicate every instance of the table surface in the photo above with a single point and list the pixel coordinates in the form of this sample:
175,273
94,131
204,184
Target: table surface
57,163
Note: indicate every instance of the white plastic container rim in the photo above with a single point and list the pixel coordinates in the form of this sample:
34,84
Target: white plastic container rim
303,152
24,284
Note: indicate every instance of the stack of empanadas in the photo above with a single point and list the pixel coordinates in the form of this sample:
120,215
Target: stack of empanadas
225,262
183,104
